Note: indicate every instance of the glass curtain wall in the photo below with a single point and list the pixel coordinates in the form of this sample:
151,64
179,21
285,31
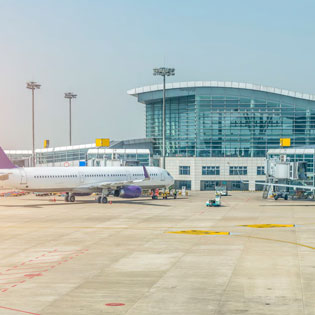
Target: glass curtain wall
206,125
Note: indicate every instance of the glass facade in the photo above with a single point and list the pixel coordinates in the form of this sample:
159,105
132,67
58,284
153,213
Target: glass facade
184,170
230,185
211,170
227,122
238,170
261,170
61,156
183,183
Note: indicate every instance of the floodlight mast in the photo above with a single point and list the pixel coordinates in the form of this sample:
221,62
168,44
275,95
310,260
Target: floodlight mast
70,96
163,72
32,86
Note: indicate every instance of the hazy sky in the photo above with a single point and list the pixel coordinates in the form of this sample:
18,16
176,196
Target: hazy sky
100,49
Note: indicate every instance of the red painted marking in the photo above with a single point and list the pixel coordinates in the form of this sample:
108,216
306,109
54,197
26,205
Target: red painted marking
115,304
35,267
14,309
9,282
32,275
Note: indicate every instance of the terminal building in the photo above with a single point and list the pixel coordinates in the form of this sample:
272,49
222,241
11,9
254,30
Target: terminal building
126,152
220,132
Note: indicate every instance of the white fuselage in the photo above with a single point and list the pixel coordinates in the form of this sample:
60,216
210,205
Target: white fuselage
83,179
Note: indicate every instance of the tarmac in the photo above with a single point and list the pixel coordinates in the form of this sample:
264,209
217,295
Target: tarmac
143,256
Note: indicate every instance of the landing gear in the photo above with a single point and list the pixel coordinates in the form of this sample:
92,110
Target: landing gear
67,197
103,197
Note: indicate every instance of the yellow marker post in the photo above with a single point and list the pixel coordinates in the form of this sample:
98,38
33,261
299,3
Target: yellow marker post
102,142
46,144
285,142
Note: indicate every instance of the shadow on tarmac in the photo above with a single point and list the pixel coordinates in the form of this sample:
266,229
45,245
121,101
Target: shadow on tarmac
288,205
143,202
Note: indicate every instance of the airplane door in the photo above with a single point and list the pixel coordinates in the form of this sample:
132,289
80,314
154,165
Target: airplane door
81,178
162,176
23,178
128,176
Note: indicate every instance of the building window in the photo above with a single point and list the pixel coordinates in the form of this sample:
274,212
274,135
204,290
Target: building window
184,170
211,170
261,170
179,184
238,170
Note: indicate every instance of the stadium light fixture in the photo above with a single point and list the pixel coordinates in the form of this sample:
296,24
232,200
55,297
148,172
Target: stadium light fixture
164,72
33,86
70,96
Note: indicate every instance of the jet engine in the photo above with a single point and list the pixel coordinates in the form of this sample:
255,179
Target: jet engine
128,192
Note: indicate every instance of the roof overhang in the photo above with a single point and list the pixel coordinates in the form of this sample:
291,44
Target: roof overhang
227,84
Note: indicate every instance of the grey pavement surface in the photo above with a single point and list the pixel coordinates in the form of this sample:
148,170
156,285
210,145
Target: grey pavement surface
64,258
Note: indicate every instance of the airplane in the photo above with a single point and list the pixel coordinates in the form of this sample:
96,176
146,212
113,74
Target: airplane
124,182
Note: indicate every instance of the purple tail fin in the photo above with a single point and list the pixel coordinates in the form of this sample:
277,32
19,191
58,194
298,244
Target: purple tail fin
5,163
146,174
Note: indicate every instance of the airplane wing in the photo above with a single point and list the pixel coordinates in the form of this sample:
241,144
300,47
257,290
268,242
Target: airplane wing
287,185
113,184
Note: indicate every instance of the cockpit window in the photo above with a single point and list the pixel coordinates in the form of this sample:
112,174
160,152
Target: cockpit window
168,174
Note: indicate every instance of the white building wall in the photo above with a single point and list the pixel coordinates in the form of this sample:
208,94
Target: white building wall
173,164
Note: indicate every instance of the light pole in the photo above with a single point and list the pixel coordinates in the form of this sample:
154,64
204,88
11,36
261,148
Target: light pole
70,96
163,72
32,86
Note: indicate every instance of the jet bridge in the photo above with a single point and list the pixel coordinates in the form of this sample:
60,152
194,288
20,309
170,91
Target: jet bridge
280,170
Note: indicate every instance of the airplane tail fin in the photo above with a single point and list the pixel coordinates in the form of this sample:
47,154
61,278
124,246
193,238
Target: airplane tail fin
5,163
146,174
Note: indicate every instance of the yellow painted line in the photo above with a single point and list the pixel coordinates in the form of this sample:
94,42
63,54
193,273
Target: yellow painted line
267,226
275,240
199,232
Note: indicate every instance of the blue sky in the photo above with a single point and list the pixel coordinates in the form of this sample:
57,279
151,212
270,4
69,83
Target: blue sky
100,49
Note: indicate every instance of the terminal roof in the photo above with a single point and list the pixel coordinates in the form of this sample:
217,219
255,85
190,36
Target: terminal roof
227,84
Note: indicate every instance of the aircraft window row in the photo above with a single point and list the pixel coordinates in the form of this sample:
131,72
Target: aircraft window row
88,175
102,175
55,176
